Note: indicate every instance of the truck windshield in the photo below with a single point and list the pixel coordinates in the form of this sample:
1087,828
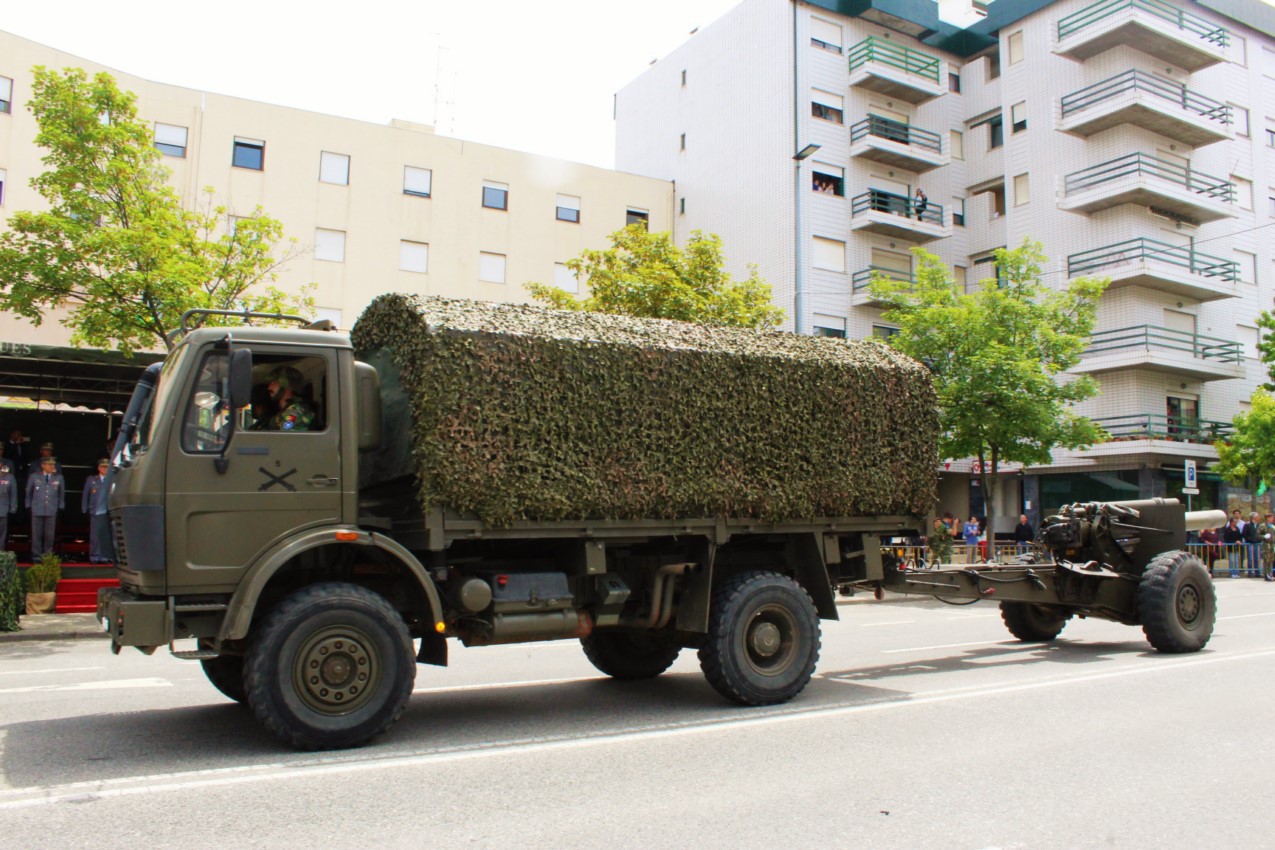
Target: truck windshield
163,388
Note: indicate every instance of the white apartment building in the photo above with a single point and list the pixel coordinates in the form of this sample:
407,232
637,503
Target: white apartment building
374,208
1134,138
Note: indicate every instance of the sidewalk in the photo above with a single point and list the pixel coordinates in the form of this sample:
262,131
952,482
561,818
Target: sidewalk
55,627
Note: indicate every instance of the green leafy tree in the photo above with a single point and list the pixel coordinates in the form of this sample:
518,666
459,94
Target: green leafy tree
115,248
996,355
1249,456
645,274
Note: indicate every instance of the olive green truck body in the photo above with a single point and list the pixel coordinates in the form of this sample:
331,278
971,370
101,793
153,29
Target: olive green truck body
496,475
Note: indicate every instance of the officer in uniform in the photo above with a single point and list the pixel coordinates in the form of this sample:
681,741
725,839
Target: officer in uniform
293,413
9,498
94,497
46,495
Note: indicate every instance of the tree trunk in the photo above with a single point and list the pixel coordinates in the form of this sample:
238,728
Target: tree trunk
991,491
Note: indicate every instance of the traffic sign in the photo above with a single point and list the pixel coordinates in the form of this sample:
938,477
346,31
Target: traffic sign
1190,483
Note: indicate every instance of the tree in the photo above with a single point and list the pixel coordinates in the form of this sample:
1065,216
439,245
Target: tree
996,355
1249,457
116,245
645,274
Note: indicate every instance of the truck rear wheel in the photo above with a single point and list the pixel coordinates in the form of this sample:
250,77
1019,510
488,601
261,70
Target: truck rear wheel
226,674
330,667
1177,604
1033,623
762,641
629,655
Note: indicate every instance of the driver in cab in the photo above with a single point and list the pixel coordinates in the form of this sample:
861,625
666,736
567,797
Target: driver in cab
290,411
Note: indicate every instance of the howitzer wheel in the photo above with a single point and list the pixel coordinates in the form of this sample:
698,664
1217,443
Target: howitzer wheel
1177,604
1033,623
629,655
763,639
330,667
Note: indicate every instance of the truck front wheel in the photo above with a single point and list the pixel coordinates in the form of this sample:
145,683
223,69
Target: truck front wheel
762,641
226,674
330,667
629,655
1177,605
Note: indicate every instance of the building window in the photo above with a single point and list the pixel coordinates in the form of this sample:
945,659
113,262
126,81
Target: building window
4,178
995,132
829,326
827,106
957,144
958,212
170,139
1240,116
683,76
6,94
1018,116
883,331
954,83
1270,201
828,179
681,144
491,267
334,168
249,153
495,196
1243,192
417,181
1248,266
1015,44
681,205
565,279
642,217
825,35
413,257
329,245
960,277
829,254
1022,193
568,209
1270,137
1268,62
993,66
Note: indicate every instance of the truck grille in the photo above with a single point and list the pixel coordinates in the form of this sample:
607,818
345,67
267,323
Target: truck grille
117,535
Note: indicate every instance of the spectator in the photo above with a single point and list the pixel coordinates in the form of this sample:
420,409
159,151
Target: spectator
1023,534
10,495
1233,539
1212,547
46,495
1266,536
940,543
970,532
1252,546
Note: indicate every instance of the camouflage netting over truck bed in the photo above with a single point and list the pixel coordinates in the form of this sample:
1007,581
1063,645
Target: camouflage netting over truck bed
530,413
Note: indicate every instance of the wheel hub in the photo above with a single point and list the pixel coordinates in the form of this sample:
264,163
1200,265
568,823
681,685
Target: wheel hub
1189,603
336,669
771,641
766,639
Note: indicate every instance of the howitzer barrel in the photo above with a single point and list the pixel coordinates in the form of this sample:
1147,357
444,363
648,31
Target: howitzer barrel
1200,520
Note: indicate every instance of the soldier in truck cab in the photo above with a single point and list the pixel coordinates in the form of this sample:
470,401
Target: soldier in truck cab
288,411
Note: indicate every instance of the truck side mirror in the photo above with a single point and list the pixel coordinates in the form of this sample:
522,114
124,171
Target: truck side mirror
240,378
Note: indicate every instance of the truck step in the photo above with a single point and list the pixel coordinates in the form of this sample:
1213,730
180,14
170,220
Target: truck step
193,654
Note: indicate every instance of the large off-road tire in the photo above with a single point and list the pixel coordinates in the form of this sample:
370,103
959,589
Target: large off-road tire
1177,604
226,674
762,641
1033,623
629,655
330,667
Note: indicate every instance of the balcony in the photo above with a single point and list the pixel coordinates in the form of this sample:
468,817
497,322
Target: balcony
861,295
1196,356
1178,270
895,71
1155,426
897,144
876,211
1140,178
1147,101
1150,26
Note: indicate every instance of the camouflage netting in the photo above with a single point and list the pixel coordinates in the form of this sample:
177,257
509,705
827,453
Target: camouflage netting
524,412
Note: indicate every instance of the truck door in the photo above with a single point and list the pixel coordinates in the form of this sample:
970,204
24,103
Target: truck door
282,472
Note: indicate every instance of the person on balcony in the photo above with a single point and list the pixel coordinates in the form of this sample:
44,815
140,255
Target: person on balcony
920,203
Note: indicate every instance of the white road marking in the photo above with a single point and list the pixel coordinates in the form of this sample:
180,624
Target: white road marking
503,685
891,623
50,670
321,766
1246,616
943,646
109,685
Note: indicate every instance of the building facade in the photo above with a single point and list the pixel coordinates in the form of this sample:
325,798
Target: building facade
1135,139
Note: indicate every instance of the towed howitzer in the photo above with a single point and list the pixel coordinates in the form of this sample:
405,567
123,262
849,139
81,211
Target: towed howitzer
1120,561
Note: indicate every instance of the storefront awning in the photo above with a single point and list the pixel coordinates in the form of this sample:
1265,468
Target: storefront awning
80,377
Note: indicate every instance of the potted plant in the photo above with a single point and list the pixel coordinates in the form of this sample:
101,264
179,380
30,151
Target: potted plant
12,600
42,584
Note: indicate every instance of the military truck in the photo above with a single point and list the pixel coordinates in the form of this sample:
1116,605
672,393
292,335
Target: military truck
493,474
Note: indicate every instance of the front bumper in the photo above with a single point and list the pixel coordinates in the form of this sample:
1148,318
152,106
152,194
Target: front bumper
131,620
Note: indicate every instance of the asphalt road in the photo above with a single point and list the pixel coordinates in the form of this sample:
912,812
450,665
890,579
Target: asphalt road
926,726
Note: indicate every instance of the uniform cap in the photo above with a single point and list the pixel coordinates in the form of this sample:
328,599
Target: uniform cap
48,446
287,377
49,459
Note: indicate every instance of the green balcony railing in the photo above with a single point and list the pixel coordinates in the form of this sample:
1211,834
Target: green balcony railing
1155,426
873,49
1185,21
896,131
876,200
1135,80
1152,337
863,277
1136,250
1214,188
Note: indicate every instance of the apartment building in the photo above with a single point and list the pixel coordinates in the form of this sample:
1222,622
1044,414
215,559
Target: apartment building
374,208
1134,138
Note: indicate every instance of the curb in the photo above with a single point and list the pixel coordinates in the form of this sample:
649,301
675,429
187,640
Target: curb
51,627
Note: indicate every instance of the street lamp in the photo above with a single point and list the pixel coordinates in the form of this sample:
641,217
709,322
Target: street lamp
798,295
